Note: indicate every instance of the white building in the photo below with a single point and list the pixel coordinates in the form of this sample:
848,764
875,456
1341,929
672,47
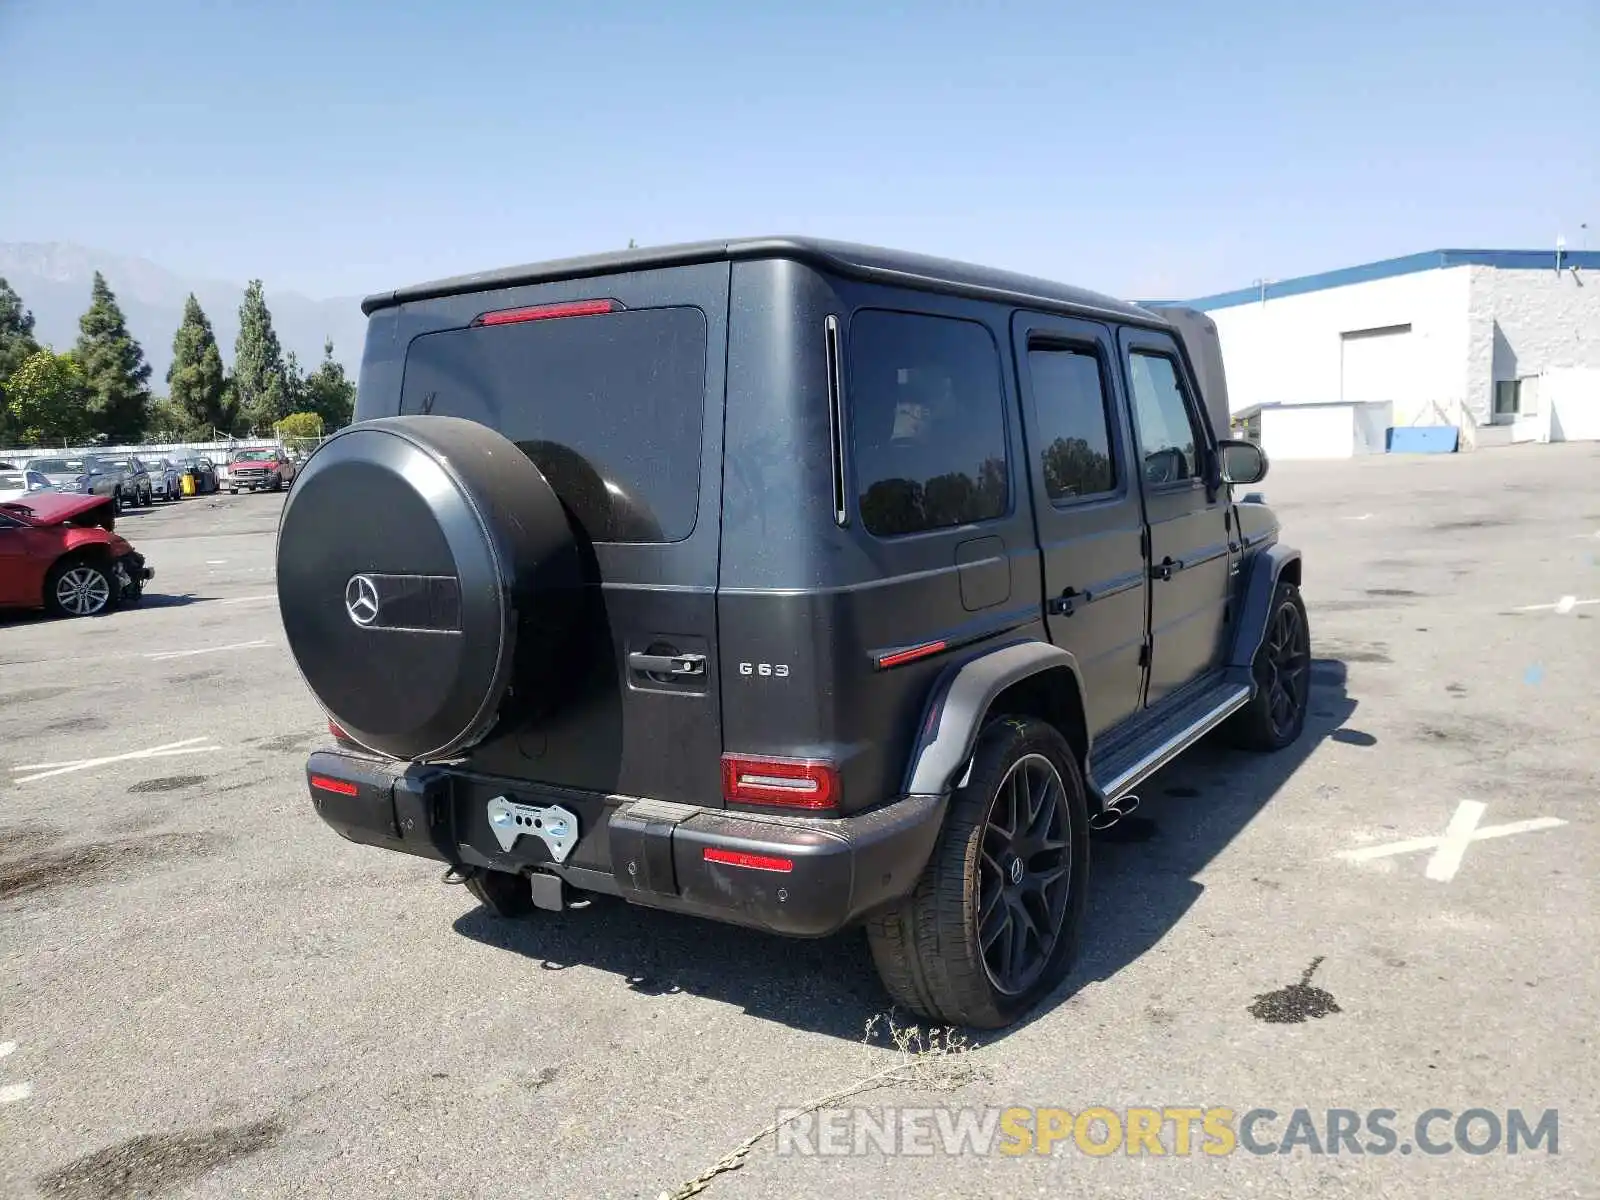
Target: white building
1478,347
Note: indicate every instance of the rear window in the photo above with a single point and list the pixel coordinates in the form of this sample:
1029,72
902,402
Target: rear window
609,407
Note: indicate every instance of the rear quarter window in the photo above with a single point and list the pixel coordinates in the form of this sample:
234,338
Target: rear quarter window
608,407
927,423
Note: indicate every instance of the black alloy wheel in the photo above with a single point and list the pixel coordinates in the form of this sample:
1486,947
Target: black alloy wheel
1024,874
1288,662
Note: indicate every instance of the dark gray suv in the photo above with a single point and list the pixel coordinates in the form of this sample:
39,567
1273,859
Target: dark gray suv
785,583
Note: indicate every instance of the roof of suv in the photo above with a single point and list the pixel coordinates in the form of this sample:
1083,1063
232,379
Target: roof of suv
865,262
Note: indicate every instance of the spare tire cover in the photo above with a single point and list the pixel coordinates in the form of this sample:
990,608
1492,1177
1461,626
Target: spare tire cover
419,559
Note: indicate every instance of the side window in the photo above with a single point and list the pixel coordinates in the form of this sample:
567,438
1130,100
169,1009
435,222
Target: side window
927,422
1070,402
1166,431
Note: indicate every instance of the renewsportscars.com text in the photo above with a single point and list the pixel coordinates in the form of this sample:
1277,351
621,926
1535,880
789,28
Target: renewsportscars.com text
1167,1131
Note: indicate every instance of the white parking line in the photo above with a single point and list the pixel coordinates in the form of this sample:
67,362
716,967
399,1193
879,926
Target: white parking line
1446,860
12,1092
168,750
1564,605
165,654
1450,847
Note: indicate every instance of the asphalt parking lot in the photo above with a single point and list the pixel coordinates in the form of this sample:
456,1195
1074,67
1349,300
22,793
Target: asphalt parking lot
206,993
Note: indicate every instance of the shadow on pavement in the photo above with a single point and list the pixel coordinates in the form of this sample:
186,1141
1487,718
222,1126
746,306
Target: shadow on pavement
1142,885
169,600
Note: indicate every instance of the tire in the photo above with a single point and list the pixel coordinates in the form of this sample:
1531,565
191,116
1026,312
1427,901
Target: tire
116,503
473,542
929,948
1276,714
507,896
78,587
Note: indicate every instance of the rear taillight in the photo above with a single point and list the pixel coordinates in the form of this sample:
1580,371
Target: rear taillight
338,733
780,782
547,312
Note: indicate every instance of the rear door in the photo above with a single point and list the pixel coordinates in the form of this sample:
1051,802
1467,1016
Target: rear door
1087,505
1190,556
620,406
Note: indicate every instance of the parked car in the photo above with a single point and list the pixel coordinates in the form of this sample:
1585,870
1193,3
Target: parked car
17,484
84,474
203,470
262,469
138,488
166,481
60,552
813,585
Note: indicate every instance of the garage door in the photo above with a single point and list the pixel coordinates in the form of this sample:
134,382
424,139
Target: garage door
1376,365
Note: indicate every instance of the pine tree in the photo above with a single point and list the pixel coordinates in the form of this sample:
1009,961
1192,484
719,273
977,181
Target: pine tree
260,385
16,342
328,393
294,385
114,369
199,386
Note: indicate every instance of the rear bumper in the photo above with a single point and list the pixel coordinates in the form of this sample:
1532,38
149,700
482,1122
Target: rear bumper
803,877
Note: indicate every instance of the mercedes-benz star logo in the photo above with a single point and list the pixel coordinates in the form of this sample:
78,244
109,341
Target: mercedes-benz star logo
361,599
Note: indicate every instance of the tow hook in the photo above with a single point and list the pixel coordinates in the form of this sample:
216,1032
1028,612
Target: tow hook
1114,811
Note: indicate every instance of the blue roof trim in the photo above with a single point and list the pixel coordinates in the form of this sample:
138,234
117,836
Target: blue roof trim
1410,264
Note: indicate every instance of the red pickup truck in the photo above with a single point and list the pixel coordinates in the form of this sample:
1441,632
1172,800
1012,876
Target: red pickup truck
265,469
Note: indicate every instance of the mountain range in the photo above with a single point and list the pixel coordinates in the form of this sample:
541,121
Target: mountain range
53,279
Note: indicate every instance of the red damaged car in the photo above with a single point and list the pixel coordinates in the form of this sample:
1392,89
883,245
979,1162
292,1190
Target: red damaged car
59,552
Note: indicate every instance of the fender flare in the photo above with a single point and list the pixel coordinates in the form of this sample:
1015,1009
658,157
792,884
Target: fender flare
959,701
1265,567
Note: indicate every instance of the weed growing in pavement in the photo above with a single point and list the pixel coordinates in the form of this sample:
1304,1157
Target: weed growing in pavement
937,1059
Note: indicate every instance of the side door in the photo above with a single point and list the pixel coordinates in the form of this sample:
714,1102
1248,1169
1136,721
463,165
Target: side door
1186,508
1087,507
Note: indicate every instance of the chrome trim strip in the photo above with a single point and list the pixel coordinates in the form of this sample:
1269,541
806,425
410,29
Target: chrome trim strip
830,327
1176,745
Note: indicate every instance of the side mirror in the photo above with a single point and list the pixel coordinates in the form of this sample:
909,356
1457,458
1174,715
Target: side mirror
1242,462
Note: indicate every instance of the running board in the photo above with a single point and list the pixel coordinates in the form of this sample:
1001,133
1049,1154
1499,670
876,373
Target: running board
1127,766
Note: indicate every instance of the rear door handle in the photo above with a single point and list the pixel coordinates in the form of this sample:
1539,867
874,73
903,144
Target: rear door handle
1069,601
684,666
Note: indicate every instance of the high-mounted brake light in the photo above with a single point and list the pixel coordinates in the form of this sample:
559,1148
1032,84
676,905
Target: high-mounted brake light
781,782
547,312
755,862
338,787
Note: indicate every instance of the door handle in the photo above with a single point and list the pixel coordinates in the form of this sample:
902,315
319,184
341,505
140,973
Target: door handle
679,665
1166,568
1069,601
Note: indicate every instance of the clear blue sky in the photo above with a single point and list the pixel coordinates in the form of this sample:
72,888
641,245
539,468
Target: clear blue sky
1151,149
